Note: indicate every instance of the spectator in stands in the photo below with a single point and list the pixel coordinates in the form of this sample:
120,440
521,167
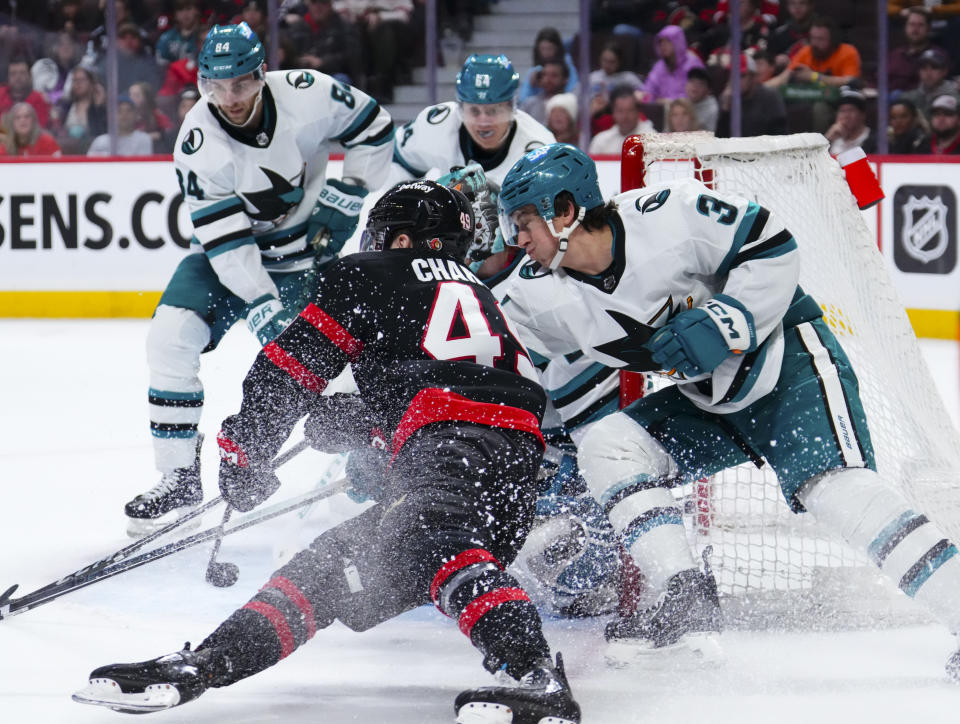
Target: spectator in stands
908,131
83,112
98,40
792,34
933,80
326,42
51,74
762,111
668,77
850,129
627,121
69,16
152,121
23,135
548,45
188,98
823,60
130,141
384,29
180,74
766,65
551,79
702,100
184,39
945,123
15,44
254,14
903,62
681,117
562,118
19,88
611,74
754,34
134,63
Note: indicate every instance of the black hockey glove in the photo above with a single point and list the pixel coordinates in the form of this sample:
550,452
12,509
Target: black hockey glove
244,483
338,423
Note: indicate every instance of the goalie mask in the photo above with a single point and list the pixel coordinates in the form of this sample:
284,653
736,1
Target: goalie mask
437,219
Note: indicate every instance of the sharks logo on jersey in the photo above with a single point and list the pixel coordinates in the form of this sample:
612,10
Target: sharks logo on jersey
192,141
300,79
438,114
646,204
274,203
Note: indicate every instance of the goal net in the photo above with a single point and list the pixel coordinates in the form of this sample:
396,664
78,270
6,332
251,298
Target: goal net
773,566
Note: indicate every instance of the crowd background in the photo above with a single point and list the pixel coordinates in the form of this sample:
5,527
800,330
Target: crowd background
805,65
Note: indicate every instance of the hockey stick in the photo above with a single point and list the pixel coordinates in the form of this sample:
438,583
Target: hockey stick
13,606
93,568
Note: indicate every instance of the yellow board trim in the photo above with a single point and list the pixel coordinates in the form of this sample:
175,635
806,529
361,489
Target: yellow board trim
935,323
930,323
72,305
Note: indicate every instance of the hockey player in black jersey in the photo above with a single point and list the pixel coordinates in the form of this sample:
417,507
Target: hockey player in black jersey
445,379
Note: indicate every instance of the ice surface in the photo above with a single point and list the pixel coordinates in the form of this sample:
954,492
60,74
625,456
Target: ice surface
74,446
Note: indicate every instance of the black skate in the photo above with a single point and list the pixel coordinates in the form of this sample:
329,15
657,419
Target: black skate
686,616
542,697
148,686
177,493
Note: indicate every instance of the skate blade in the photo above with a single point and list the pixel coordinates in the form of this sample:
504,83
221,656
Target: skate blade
480,712
107,693
140,527
701,647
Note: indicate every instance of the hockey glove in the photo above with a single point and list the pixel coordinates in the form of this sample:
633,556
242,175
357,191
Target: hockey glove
695,342
267,318
471,181
366,470
338,423
334,217
244,484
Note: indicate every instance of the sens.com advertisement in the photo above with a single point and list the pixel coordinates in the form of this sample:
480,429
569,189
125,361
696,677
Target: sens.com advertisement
101,239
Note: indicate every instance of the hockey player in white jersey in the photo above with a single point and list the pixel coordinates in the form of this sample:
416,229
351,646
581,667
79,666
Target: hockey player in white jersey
482,125
704,288
251,160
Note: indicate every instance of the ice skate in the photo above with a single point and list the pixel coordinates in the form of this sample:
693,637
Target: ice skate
178,492
148,686
542,697
686,617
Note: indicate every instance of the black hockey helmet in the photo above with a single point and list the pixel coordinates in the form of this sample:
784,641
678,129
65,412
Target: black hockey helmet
437,218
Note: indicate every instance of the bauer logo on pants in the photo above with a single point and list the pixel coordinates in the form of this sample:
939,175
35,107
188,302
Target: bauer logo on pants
924,229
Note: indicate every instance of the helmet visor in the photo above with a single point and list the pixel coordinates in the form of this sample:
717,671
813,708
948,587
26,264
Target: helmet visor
508,227
372,239
227,91
486,113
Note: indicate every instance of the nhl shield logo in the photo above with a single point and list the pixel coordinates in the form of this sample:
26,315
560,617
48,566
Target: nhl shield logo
192,141
924,229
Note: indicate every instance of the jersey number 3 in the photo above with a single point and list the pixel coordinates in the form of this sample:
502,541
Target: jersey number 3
458,329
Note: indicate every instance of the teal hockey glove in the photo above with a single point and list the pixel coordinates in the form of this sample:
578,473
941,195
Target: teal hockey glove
334,217
695,342
267,318
471,181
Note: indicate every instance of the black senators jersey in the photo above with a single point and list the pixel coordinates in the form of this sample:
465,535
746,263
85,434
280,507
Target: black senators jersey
427,342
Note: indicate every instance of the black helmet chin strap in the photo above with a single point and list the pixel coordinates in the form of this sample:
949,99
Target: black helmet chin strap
563,239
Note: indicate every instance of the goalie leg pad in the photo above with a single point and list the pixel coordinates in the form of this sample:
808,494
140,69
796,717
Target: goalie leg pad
907,546
628,473
175,341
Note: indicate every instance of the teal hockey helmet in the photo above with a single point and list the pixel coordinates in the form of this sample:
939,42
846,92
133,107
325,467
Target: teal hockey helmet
487,79
543,173
230,51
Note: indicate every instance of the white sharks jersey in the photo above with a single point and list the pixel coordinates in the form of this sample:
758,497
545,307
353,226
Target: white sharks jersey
436,139
676,246
250,193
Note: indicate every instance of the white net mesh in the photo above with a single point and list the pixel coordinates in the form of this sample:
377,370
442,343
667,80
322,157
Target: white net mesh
766,558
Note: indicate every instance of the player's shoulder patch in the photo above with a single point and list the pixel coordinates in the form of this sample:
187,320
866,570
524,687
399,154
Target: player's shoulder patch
438,114
533,270
300,78
192,141
651,202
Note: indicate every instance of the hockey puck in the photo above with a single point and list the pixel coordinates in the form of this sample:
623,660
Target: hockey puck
223,575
